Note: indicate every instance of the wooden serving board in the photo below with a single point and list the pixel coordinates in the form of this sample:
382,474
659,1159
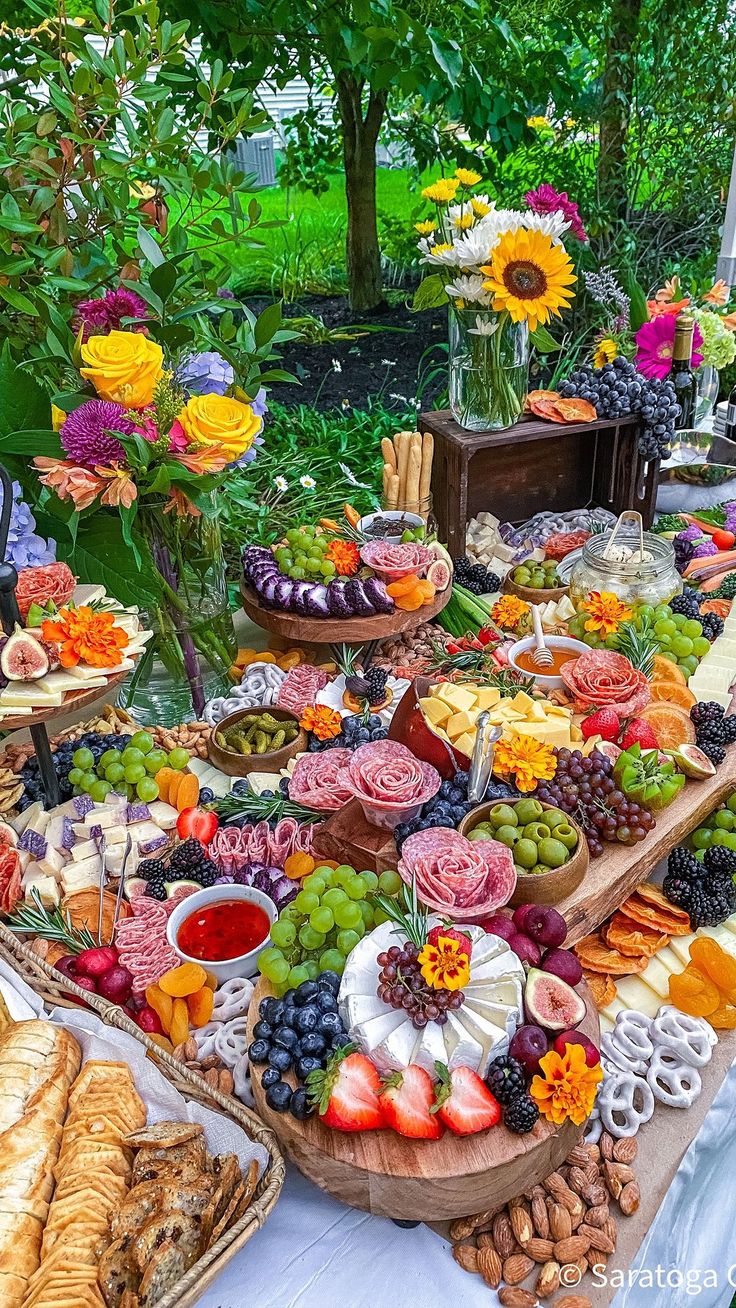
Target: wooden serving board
328,631
73,700
420,1180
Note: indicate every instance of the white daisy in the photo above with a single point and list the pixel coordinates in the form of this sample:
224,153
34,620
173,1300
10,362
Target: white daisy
483,326
388,363
336,365
469,287
433,255
307,482
551,224
281,483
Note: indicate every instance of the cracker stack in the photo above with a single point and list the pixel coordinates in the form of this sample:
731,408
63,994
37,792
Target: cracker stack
92,1178
38,1063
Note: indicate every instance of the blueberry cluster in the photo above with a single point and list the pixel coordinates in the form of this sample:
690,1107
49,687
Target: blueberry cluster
449,806
475,577
617,389
188,862
704,889
713,730
63,764
298,1032
356,730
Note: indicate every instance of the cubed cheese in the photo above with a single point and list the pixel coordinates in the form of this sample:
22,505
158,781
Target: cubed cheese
84,849
456,696
104,816
537,713
114,859
487,697
461,722
435,710
46,889
88,871
52,862
466,744
142,832
522,702
115,835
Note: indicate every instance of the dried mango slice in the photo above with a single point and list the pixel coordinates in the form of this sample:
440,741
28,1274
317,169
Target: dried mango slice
601,986
574,410
596,956
632,938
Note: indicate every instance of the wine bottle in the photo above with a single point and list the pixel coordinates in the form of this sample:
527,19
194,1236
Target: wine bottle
682,376
730,429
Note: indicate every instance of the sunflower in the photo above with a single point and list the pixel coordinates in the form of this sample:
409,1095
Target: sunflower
529,275
605,351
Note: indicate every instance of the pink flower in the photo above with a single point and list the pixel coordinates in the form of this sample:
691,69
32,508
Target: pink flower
147,428
105,314
547,200
654,344
70,482
178,440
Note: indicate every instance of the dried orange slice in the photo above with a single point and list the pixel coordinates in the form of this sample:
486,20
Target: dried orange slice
632,938
597,956
670,724
672,692
721,608
574,410
651,907
601,986
665,670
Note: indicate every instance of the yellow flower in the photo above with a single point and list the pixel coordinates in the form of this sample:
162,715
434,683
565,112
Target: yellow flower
467,177
123,366
441,192
220,420
58,417
529,276
606,611
442,247
537,121
605,352
568,1087
463,221
525,759
508,611
426,228
445,966
479,207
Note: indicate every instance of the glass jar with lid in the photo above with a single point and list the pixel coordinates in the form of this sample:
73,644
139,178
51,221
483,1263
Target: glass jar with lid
638,566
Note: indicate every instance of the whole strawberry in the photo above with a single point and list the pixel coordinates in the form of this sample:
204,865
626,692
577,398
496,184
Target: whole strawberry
604,722
639,731
451,933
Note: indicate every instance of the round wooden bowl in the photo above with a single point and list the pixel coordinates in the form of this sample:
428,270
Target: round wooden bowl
539,887
420,1180
326,631
239,765
530,594
71,703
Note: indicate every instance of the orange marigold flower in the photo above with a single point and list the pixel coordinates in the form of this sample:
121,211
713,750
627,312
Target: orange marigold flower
324,723
86,636
568,1087
607,612
509,610
445,966
525,759
345,556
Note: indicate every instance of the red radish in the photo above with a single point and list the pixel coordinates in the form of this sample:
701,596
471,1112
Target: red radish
498,924
198,823
592,1055
639,732
94,962
115,984
604,722
406,1100
149,1021
346,1092
464,1102
451,933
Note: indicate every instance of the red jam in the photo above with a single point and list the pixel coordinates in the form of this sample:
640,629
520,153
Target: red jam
225,929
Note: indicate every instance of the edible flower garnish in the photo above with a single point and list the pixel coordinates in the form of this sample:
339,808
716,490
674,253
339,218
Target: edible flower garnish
525,759
607,612
86,636
508,611
324,723
568,1087
445,965
345,556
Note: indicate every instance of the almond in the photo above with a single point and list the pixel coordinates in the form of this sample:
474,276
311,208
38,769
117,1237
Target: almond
595,1153
540,1250
630,1198
521,1225
517,1268
597,1216
225,1081
548,1281
597,1238
461,1228
574,1301
538,1192
610,1229
579,1156
540,1216
616,1176
560,1223
596,1260
625,1150
503,1236
517,1298
578,1179
569,1250
467,1256
593,1172
577,1213
485,1241
595,1194
490,1267
605,1144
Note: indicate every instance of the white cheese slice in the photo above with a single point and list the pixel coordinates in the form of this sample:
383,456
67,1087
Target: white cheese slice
633,993
657,977
87,594
52,862
89,867
669,960
164,815
462,1048
730,923
40,822
115,857
397,1051
84,849
361,1008
612,1010
704,693
103,817
27,817
606,1024
680,945
16,711
372,1032
431,1048
62,680
115,836
19,694
79,880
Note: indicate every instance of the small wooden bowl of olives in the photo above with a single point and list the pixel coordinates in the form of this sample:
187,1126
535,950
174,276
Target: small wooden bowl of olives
537,583
256,740
523,822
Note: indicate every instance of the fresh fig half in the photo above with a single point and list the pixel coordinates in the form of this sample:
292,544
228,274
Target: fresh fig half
23,658
439,574
551,1002
609,750
693,762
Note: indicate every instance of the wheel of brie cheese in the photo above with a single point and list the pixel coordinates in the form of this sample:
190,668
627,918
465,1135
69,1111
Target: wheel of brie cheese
474,1034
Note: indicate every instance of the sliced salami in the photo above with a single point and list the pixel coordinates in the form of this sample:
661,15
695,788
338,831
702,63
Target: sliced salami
142,944
301,687
321,780
601,678
390,783
391,562
233,848
465,879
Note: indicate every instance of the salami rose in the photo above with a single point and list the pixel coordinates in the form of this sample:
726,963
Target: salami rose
604,679
321,780
390,783
391,562
464,879
54,582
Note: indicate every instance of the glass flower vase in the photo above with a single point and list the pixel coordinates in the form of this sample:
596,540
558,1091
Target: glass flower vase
489,369
187,661
707,397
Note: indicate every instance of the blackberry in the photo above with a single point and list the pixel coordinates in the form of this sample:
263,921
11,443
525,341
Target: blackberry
716,753
678,890
206,874
683,863
729,729
156,890
521,1114
505,1080
707,712
720,859
152,869
376,679
712,626
186,856
687,604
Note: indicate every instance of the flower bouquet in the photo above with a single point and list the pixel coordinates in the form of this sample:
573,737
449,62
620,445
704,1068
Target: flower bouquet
506,273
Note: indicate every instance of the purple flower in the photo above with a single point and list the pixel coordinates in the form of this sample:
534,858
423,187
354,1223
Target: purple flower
25,549
259,405
224,293
249,455
705,548
655,341
85,434
691,533
106,314
205,374
547,200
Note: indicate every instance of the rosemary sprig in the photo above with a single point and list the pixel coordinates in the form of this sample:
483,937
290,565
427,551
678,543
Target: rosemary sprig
51,924
256,808
406,912
639,647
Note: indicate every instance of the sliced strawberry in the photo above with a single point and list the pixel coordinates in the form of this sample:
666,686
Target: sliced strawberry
464,1102
604,722
406,1099
451,933
639,731
199,823
346,1092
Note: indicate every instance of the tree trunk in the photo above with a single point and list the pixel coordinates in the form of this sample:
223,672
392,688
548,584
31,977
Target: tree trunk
619,75
359,136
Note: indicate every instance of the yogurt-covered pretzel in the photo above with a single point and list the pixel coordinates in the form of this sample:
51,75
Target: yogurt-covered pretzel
625,1102
232,998
691,1039
231,1041
632,1035
613,1057
674,1083
205,1038
241,1082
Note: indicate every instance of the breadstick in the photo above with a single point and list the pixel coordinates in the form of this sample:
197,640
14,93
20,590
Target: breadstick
414,472
393,491
388,472
425,479
389,453
401,441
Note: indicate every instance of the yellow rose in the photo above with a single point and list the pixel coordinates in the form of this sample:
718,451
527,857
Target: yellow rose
124,367
220,420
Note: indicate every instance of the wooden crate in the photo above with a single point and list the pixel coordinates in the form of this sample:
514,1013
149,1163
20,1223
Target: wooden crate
535,465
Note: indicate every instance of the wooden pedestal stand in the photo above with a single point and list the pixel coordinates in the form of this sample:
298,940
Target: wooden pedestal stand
535,465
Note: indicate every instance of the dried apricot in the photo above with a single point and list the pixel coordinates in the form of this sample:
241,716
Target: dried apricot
298,865
200,1006
188,792
162,1041
427,590
291,659
414,600
403,586
724,1018
162,1005
163,777
179,1029
183,980
246,656
716,963
694,993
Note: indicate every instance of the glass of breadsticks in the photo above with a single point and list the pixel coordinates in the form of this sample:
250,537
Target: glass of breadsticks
407,472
